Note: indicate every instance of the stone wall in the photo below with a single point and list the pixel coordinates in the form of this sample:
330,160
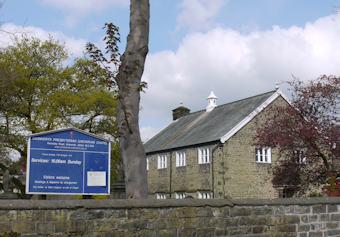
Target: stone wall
193,177
190,217
187,179
158,179
243,177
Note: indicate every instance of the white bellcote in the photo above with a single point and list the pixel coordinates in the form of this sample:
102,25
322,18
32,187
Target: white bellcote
211,102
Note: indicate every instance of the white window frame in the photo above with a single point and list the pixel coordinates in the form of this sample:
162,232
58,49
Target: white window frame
300,155
180,159
179,195
147,162
160,196
203,155
204,195
162,161
263,154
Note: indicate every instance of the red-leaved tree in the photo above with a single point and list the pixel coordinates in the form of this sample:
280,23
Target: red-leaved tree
307,134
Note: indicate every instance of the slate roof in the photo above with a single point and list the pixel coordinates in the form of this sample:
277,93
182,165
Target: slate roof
203,127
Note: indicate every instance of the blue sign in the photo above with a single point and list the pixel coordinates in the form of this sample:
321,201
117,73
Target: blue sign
68,161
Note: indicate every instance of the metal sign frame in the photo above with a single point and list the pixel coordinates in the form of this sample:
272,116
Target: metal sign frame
68,162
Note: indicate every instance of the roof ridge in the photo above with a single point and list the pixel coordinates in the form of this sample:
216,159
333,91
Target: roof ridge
250,97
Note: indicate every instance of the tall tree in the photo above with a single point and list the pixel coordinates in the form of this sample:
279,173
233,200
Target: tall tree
40,93
128,80
306,133
129,84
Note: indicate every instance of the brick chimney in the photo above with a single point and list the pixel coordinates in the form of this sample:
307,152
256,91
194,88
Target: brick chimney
180,112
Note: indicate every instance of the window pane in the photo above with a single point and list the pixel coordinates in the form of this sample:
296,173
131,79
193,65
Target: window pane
269,155
199,156
263,154
207,160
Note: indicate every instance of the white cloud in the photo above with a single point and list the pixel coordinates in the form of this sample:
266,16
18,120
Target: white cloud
148,132
198,14
8,31
79,8
236,65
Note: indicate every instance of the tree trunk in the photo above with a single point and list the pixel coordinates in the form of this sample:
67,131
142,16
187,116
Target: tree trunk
129,81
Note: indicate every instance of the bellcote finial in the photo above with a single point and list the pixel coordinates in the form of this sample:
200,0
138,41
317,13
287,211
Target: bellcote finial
211,101
277,86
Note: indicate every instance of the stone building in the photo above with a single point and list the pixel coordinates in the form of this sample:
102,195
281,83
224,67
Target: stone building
210,153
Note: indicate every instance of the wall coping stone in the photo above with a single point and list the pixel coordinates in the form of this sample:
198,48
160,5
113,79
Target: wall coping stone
152,203
109,203
286,201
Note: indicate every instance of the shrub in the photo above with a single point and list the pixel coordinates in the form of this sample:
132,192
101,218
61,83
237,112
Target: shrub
332,187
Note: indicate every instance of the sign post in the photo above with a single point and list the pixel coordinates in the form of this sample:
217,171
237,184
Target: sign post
68,161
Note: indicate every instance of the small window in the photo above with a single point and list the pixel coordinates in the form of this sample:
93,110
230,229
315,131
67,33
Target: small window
162,162
147,162
203,155
160,195
300,156
204,195
180,159
180,195
263,155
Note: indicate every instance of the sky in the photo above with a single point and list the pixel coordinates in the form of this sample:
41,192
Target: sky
236,48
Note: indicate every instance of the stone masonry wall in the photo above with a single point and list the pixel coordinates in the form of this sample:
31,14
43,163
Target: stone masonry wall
193,176
311,217
244,177
237,174
187,179
158,179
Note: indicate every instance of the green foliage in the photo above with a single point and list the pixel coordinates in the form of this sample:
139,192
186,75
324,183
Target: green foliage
315,194
40,92
109,60
10,234
34,73
332,187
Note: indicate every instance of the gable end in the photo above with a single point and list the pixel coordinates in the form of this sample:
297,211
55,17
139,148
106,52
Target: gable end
247,119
